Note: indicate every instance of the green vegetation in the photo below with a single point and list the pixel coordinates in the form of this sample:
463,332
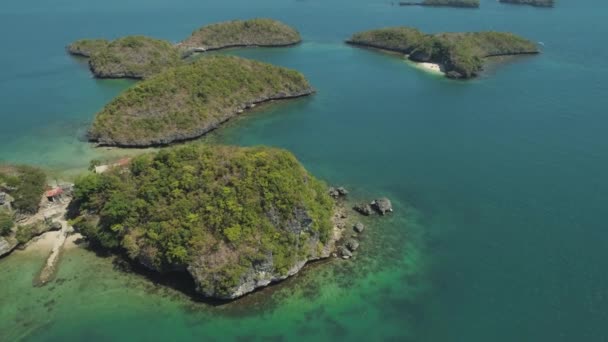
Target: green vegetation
190,100
461,54
87,47
25,184
216,210
133,57
537,3
6,222
443,3
254,32
129,57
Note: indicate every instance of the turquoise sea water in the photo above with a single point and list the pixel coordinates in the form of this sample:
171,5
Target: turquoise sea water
499,183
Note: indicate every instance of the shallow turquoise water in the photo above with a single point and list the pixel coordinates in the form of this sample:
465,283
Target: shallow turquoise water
499,182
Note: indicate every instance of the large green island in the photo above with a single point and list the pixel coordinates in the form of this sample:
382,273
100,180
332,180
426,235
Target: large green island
460,55
442,3
234,218
190,100
260,32
536,3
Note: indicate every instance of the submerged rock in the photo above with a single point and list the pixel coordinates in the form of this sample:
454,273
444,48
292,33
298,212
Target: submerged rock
351,244
358,227
337,192
344,253
363,209
382,205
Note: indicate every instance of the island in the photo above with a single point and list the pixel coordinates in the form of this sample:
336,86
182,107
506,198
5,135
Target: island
234,218
442,3
458,55
190,100
536,3
260,32
135,57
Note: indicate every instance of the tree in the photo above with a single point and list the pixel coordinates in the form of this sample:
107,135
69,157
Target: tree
6,223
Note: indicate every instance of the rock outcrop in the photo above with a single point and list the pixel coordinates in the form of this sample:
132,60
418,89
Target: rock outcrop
363,209
382,205
7,245
337,192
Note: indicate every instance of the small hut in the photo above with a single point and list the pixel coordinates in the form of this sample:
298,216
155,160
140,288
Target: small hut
54,194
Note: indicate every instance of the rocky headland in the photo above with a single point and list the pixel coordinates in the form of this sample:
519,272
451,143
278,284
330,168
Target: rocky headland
459,55
191,100
87,47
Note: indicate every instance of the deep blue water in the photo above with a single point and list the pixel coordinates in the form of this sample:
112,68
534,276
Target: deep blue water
507,172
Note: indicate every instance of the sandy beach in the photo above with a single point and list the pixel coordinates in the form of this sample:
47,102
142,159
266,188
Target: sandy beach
431,67
44,243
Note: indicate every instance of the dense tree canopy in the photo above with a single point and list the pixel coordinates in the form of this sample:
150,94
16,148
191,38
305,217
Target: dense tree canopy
26,185
241,203
253,32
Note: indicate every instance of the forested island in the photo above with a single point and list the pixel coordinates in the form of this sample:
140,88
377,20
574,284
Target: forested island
135,57
442,3
536,3
241,33
460,55
140,57
234,218
190,100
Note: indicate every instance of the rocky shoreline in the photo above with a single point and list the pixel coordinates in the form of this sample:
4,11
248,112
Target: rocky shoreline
189,51
456,4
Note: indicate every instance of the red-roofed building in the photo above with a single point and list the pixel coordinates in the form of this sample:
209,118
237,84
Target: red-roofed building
53,194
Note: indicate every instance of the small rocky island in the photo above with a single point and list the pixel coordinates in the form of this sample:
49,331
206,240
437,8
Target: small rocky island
134,57
536,3
234,218
442,3
241,33
459,55
190,100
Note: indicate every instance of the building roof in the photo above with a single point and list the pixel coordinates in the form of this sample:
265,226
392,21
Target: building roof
53,192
